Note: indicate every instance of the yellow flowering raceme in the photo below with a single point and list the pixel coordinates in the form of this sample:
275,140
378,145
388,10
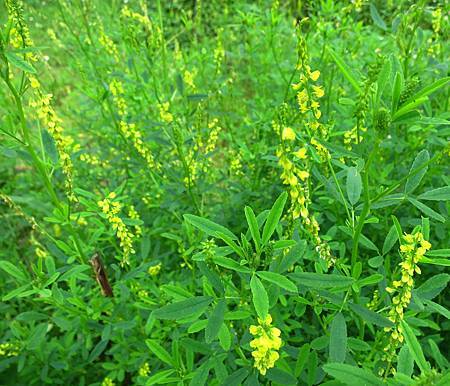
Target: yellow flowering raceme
412,249
129,130
266,344
43,105
111,209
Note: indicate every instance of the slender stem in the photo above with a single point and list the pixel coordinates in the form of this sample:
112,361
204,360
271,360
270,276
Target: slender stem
339,189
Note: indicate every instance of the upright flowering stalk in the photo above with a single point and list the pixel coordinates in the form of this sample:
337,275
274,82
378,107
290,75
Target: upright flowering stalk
43,104
41,101
266,344
293,150
412,250
129,130
111,209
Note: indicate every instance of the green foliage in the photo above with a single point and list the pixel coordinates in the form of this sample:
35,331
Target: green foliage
224,193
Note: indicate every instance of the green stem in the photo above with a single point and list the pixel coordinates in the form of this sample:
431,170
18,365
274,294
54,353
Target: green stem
340,190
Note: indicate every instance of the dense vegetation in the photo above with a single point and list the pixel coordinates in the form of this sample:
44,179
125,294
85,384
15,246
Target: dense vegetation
224,192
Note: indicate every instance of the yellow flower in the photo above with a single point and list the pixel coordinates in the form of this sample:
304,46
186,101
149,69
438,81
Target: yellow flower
288,134
266,344
303,174
34,83
315,75
154,270
301,153
318,91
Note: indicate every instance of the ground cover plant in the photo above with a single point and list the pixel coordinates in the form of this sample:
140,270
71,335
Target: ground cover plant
224,192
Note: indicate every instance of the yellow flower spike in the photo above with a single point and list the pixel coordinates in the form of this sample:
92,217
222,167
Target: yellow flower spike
266,344
288,134
411,250
318,91
315,75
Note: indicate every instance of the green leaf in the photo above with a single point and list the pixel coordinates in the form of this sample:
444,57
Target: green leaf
437,355
12,270
346,70
437,308
160,352
97,350
235,378
370,280
405,362
215,321
338,339
405,109
352,375
229,241
432,287
376,17
354,185
225,338
74,272
279,280
260,298
302,358
207,226
414,347
226,262
439,194
442,262
253,226
429,89
322,280
413,181
20,63
280,377
274,217
159,377
426,210
390,240
383,78
398,228
49,146
370,316
201,374
37,336
183,308
15,292
397,89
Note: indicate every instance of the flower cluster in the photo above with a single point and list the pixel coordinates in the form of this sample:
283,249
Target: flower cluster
293,150
109,45
129,130
351,136
164,113
154,269
134,215
266,344
43,105
8,349
108,382
19,33
144,370
111,210
295,165
412,249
